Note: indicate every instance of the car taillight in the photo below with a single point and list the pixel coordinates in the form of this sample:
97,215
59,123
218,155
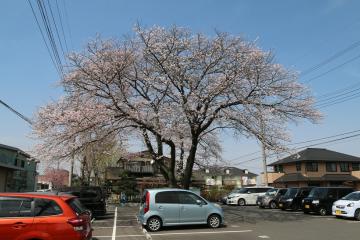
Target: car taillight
147,202
77,223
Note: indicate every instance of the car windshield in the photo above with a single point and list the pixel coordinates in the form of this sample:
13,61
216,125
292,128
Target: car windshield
291,192
271,192
318,193
355,196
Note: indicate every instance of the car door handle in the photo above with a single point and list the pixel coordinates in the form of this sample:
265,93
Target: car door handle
161,207
19,225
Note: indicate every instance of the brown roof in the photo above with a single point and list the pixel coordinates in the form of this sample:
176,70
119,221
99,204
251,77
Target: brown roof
317,154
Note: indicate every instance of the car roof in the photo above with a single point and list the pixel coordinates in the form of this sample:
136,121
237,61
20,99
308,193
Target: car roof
48,195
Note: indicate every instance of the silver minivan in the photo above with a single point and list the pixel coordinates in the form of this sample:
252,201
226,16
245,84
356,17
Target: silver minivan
170,207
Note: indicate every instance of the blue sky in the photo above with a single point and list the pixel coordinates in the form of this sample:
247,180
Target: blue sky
300,33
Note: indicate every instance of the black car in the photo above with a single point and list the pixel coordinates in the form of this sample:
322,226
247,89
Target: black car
271,198
321,199
293,198
93,198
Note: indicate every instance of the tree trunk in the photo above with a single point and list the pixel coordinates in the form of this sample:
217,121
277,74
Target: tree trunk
190,163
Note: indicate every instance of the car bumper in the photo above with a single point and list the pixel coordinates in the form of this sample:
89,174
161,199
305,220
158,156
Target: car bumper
285,205
232,201
142,220
310,207
343,212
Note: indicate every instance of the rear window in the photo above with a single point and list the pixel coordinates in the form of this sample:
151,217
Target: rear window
46,207
167,197
76,205
90,193
15,207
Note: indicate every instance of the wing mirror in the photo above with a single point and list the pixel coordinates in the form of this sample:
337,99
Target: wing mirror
199,202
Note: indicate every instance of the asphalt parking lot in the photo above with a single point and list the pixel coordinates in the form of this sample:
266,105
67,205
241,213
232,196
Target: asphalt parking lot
246,223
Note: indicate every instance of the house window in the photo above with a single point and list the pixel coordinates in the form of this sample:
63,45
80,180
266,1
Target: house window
22,164
355,166
331,167
298,166
311,167
344,167
278,168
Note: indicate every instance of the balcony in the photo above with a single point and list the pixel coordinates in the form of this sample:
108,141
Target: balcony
139,169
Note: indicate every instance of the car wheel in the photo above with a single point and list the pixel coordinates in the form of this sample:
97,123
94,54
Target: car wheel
154,224
241,202
214,221
272,205
294,207
357,214
322,212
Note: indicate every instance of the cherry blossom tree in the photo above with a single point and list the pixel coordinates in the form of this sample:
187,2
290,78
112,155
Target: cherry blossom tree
177,91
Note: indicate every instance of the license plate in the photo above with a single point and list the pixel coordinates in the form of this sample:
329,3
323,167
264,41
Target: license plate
280,205
337,212
307,206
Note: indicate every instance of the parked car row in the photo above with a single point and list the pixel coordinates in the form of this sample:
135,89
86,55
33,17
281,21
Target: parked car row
338,201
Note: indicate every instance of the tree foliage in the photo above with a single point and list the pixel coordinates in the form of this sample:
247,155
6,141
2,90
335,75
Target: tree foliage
176,90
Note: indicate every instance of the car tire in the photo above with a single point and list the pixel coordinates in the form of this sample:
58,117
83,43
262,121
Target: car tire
294,207
154,224
357,215
214,221
322,212
272,205
241,202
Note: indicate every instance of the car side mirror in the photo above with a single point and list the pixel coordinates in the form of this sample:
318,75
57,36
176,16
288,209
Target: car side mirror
248,192
198,202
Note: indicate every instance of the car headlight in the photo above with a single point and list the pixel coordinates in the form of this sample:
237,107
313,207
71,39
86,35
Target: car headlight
350,204
315,201
289,200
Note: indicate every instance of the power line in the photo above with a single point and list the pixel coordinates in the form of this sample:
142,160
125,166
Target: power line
43,37
331,58
309,141
16,112
333,69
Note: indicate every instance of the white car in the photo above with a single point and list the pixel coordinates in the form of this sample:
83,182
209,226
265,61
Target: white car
348,206
246,196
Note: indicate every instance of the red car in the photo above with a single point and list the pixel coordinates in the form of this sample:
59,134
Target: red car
43,216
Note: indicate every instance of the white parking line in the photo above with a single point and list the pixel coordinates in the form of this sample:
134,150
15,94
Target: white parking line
263,236
114,229
123,226
120,236
194,233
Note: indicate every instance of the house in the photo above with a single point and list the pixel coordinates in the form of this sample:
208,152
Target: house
316,167
17,170
138,166
53,179
224,176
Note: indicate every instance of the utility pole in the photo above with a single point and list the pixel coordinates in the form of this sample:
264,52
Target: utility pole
263,148
264,164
